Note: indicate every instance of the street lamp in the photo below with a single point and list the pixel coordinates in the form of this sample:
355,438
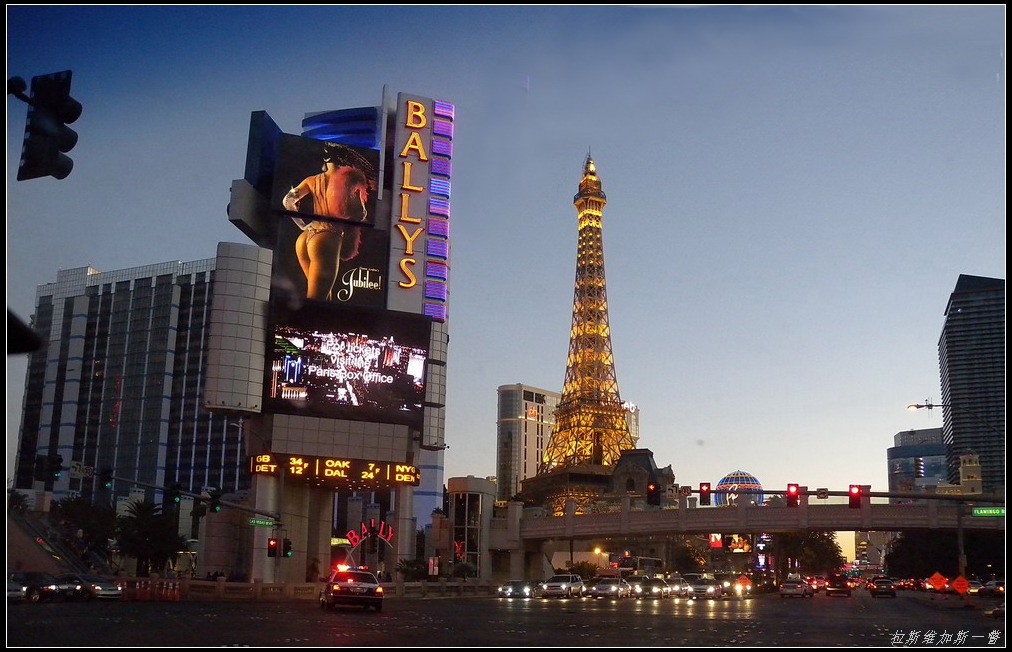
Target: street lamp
961,561
598,552
927,405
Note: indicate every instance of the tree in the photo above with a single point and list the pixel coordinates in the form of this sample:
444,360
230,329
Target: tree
814,552
90,526
413,570
921,554
585,569
464,569
686,558
17,502
149,535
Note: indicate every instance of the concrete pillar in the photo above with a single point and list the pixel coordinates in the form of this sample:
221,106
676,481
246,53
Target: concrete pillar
266,495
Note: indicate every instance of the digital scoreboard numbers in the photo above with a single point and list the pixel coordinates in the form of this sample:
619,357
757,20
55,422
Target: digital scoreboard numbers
263,464
339,472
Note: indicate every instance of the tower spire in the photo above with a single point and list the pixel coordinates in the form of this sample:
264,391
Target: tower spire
590,420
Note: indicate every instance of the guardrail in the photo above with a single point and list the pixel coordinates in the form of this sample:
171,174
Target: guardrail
186,589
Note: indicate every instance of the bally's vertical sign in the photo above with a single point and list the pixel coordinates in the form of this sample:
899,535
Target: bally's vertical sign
420,218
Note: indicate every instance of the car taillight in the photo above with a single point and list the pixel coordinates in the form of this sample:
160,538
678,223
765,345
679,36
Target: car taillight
379,589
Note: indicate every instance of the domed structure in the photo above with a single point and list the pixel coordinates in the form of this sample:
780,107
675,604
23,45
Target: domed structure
734,482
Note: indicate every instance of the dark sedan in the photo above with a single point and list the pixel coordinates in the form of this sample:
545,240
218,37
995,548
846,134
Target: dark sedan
838,585
518,589
89,587
882,587
38,586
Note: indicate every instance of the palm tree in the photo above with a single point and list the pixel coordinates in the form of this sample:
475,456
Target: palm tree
96,524
17,502
149,535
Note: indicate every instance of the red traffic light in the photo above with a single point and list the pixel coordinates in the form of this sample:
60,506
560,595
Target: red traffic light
793,494
854,495
272,547
704,493
653,494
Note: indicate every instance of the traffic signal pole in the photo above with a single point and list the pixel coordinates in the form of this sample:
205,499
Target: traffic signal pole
275,516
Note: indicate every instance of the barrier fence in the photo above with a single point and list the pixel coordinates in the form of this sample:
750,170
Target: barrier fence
155,589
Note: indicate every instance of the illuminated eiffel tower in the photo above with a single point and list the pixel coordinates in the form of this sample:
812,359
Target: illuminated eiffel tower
590,430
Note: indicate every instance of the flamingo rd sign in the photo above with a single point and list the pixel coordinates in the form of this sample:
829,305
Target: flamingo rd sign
989,511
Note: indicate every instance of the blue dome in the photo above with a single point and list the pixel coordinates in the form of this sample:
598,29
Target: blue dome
735,481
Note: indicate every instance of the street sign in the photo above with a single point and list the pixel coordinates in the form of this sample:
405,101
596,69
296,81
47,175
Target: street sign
938,581
822,493
960,584
685,491
263,522
989,511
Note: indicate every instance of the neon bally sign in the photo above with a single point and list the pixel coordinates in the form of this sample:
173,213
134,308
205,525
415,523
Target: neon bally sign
423,150
372,528
412,152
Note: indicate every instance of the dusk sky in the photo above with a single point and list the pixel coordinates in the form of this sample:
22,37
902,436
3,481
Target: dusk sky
792,191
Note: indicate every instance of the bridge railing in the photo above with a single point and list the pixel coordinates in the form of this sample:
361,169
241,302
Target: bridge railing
755,519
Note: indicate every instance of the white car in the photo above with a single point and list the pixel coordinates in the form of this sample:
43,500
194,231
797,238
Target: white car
796,589
610,587
563,586
709,589
679,587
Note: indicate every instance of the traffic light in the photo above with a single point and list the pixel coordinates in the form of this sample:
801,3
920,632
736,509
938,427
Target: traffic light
47,136
105,478
175,494
704,493
653,494
272,547
793,495
55,466
209,501
286,550
854,496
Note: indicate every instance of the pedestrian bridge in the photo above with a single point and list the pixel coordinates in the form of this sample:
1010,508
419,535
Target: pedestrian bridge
536,527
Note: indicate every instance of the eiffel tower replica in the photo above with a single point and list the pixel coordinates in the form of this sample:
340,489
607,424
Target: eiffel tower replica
590,430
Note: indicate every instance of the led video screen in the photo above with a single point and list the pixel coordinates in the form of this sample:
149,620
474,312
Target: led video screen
328,248
331,361
738,543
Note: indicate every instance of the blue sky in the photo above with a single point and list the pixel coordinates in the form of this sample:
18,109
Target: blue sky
792,194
